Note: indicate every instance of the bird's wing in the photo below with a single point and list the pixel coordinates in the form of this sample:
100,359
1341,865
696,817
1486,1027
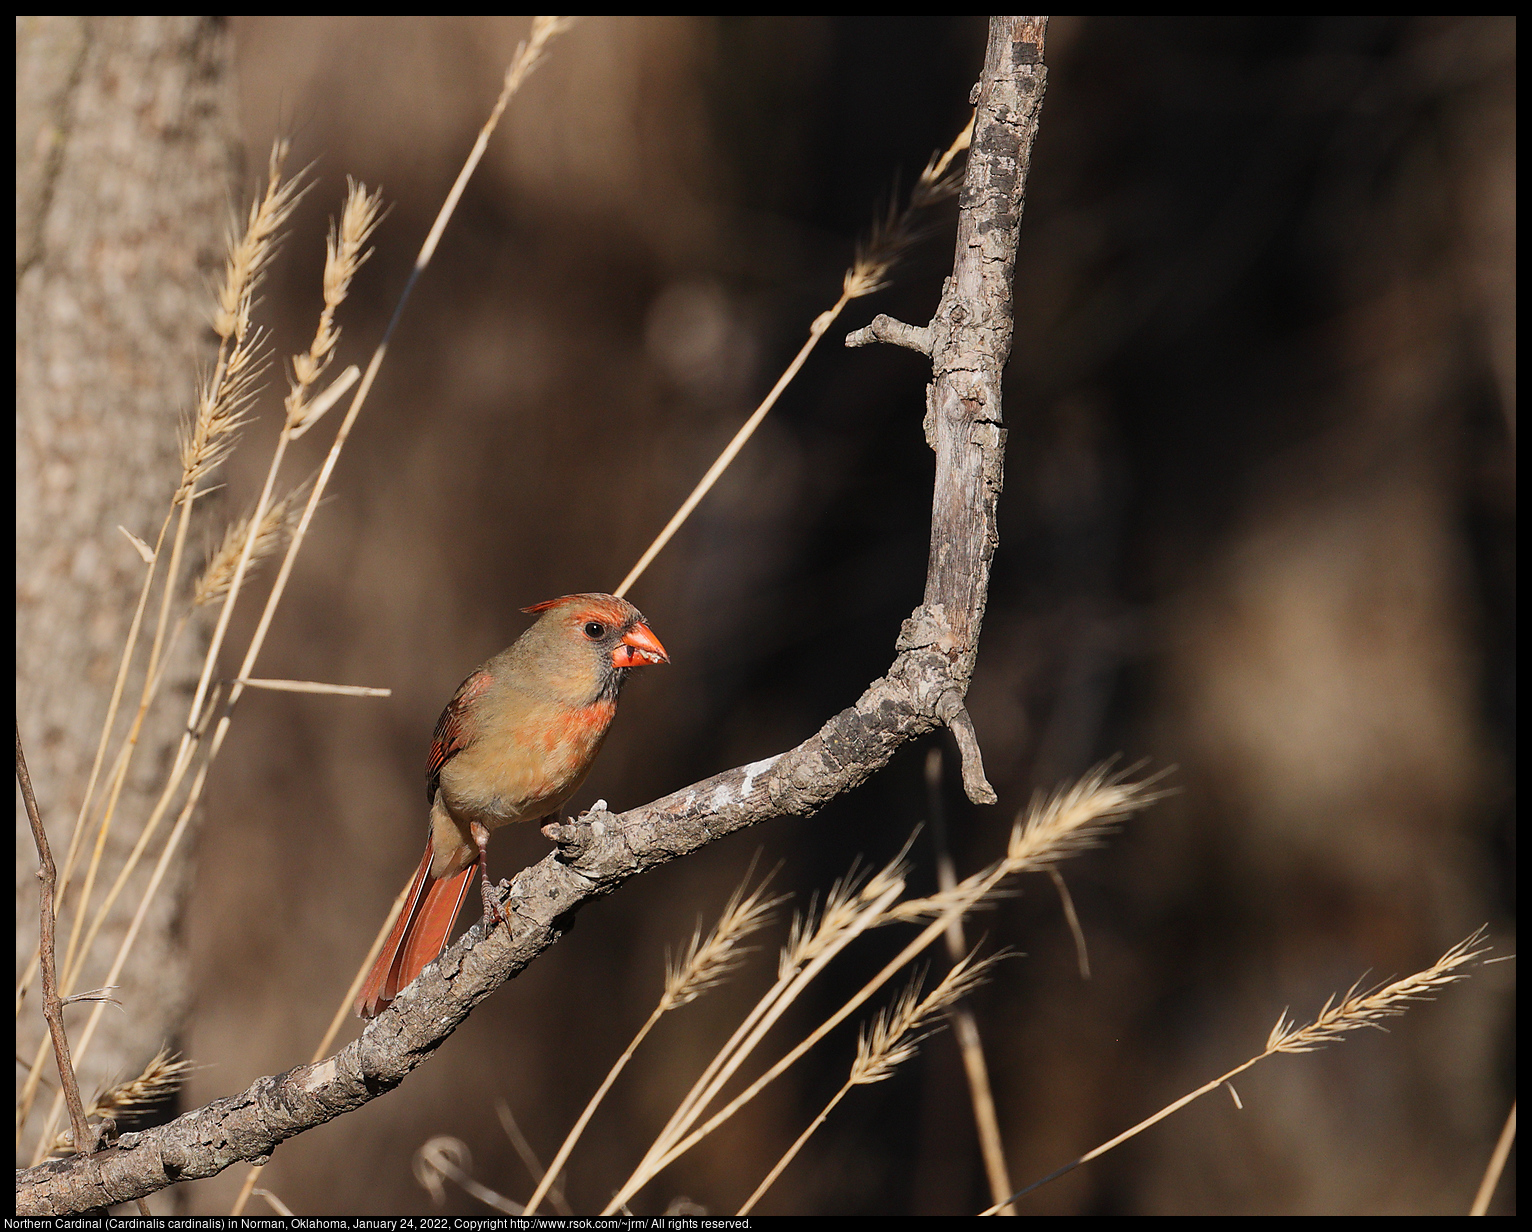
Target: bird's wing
452,733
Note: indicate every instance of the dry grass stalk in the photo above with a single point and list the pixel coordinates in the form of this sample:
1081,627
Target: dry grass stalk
313,686
271,523
872,907
528,55
1053,829
221,405
895,1037
449,1158
275,528
965,1026
344,256
891,237
113,703
275,1203
211,585
1496,1165
529,1158
222,401
704,964
1352,1012
220,410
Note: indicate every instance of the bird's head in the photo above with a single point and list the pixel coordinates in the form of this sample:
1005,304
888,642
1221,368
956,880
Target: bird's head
606,632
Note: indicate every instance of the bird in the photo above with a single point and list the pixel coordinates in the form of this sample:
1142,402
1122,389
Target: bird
514,744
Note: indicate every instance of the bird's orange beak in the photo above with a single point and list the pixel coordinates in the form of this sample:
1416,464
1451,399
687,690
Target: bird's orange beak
638,648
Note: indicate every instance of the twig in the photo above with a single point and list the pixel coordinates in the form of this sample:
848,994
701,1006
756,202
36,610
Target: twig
885,329
53,1008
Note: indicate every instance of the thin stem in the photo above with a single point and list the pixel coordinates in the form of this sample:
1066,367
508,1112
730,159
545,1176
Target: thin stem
579,1126
1496,1165
53,1005
816,332
965,1028
792,1151
662,1152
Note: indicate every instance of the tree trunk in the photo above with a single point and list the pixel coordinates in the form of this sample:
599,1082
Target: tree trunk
124,152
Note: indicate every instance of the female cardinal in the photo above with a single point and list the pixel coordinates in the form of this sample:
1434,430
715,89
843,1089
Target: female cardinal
514,743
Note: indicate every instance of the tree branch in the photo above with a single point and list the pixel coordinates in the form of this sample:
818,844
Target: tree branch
924,688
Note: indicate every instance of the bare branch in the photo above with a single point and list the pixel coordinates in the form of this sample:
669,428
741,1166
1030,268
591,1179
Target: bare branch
923,689
53,1007
884,328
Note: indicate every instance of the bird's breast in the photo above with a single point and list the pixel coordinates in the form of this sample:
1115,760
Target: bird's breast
526,764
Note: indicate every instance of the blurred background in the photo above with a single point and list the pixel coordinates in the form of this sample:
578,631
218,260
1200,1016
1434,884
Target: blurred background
1258,525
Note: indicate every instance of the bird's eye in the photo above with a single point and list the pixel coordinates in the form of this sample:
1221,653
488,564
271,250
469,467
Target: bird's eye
595,630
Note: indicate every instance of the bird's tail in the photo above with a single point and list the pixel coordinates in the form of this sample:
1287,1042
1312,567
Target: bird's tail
419,935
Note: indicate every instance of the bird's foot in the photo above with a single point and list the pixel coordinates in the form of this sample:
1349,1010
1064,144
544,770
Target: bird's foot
494,909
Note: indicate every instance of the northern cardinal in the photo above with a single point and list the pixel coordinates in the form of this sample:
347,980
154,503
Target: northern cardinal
514,743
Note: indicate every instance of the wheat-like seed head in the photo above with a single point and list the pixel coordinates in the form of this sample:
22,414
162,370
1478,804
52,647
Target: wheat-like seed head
1076,819
530,53
159,1080
809,936
898,1029
276,528
251,250
1356,1010
707,962
344,255
977,890
892,1039
895,231
934,183
226,392
221,411
811,930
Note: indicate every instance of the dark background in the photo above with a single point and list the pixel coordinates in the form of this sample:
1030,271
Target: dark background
1258,525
